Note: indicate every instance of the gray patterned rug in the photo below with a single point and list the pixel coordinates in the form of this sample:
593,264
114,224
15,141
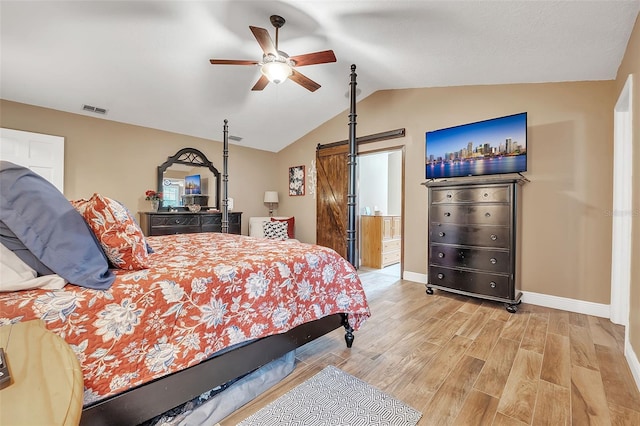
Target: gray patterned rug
331,398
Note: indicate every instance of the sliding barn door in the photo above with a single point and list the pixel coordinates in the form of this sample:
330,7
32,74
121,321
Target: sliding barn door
332,190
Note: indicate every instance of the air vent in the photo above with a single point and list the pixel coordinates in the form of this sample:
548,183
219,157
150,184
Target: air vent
235,138
94,109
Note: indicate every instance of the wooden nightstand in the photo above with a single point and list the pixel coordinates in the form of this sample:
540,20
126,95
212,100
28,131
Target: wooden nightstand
47,385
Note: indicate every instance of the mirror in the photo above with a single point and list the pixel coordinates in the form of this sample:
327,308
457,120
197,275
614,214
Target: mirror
188,177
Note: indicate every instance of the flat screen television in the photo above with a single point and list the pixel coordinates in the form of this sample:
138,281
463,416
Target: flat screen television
488,147
192,184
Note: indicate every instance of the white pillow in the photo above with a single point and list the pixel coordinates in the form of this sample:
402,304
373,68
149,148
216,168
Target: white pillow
275,230
15,275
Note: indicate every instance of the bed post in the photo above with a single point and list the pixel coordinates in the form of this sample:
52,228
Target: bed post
225,178
351,196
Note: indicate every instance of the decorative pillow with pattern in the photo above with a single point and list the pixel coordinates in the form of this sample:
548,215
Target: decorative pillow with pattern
275,230
120,236
290,221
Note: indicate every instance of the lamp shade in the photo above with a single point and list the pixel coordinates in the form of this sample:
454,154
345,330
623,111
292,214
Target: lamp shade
276,71
271,196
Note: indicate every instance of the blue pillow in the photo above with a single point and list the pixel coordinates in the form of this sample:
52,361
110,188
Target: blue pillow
46,223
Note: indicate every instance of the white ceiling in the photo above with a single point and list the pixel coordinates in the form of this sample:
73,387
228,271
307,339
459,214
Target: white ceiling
147,62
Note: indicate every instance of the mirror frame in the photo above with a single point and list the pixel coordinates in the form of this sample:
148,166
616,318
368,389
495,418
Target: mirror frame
190,157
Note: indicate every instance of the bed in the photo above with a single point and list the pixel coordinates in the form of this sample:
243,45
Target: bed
202,293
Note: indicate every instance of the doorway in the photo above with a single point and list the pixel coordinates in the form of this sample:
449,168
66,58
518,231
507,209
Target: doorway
622,208
380,215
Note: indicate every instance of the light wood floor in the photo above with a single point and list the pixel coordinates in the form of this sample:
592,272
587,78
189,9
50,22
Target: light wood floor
463,361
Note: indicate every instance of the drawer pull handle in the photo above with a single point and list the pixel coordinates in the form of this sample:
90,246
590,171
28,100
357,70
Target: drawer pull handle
440,255
447,214
494,237
485,195
493,261
441,234
492,284
461,254
449,195
440,276
487,214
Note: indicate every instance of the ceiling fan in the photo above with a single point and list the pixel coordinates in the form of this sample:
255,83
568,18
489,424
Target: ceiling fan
276,66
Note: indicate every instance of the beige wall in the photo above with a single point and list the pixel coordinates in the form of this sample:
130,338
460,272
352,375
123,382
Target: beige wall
566,225
631,66
120,160
566,228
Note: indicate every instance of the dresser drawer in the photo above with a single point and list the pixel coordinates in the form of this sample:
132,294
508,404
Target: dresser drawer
164,223
390,245
169,230
488,194
212,220
174,220
471,258
474,214
390,258
473,282
470,235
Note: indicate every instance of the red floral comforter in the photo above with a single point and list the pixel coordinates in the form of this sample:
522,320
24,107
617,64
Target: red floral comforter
202,293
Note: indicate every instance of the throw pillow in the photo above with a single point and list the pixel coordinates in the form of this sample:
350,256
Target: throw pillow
46,224
120,237
275,230
290,221
16,275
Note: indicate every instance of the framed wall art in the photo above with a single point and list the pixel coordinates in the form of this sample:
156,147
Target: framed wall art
296,180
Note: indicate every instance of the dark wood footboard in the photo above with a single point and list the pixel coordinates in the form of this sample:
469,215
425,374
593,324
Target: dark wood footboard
151,399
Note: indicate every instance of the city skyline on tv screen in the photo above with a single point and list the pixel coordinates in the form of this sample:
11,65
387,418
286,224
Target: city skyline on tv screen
493,146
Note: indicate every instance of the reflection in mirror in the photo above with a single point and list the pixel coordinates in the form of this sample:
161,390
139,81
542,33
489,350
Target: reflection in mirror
187,178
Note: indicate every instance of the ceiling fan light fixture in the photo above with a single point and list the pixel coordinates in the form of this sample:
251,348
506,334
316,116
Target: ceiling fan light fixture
276,71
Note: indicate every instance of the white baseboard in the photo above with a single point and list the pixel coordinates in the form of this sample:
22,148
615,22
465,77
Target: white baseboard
415,277
546,300
633,362
566,304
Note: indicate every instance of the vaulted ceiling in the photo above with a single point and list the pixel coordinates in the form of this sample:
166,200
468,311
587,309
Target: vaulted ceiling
147,62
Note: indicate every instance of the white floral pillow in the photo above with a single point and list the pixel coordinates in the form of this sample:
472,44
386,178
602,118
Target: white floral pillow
275,230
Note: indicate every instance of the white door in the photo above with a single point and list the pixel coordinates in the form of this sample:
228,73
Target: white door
44,154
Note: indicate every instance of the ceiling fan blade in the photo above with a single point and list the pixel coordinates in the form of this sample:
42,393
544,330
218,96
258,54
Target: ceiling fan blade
233,62
304,81
314,58
264,40
261,83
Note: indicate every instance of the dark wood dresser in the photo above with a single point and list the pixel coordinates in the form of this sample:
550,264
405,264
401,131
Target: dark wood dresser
474,239
163,223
